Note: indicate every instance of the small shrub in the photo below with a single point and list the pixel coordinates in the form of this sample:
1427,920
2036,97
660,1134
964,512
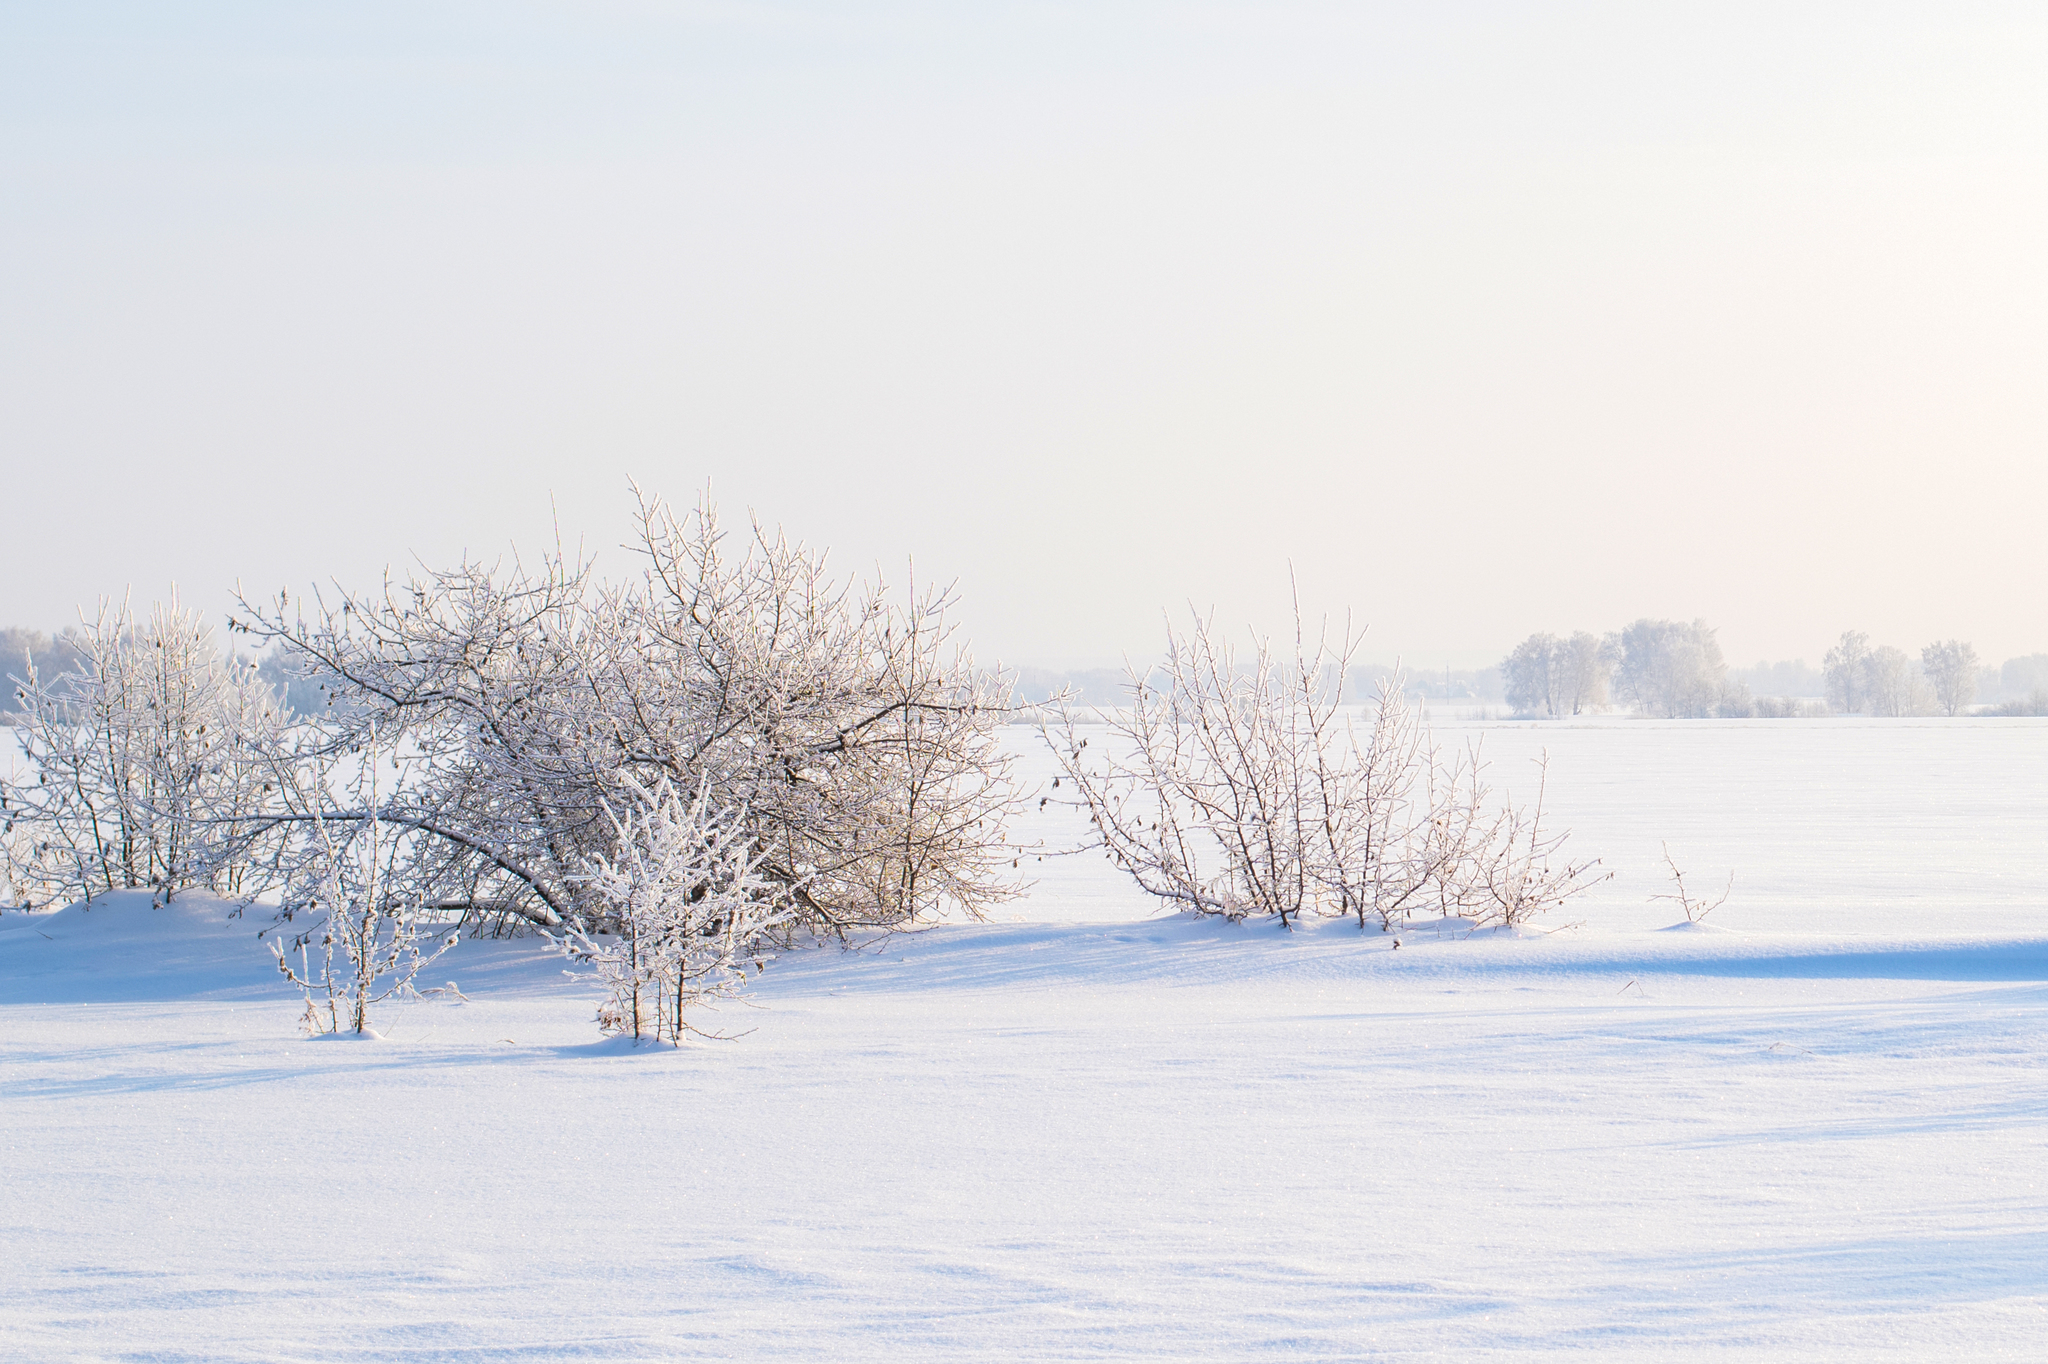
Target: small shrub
1696,907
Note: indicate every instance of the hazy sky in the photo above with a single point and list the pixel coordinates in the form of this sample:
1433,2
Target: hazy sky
1487,318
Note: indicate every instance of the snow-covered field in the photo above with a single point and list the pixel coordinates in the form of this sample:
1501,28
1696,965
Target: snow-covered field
1816,1130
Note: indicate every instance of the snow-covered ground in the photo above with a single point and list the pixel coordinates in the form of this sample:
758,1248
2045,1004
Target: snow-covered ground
1816,1130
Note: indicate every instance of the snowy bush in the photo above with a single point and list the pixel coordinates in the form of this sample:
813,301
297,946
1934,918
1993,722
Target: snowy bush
341,887
22,880
1515,867
137,759
858,741
684,911
1248,789
859,738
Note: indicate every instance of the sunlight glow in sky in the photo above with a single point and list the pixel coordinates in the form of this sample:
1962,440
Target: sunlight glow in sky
1484,318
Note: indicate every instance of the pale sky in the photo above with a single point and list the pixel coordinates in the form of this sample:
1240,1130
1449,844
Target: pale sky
1485,318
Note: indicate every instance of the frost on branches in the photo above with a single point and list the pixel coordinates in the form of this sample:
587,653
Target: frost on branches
839,740
359,933
1249,788
860,740
856,738
683,912
140,760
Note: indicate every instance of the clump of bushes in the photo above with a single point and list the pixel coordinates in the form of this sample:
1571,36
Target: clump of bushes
1247,788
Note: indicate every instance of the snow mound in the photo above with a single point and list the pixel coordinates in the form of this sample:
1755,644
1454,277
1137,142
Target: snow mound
124,947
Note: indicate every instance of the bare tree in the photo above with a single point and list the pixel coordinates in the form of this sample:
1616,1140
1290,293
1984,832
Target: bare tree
1845,673
1891,682
1951,668
1585,665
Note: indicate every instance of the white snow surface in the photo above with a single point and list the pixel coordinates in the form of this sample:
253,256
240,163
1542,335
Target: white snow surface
1812,1129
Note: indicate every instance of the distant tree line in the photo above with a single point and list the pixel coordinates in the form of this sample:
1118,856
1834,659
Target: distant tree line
1666,668
1111,687
1884,680
1674,670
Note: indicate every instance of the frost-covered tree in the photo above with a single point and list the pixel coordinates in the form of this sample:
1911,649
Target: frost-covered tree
1531,674
474,683
1557,676
684,911
1845,673
1586,665
357,931
1892,684
853,732
1951,669
22,880
135,758
1671,668
1245,787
